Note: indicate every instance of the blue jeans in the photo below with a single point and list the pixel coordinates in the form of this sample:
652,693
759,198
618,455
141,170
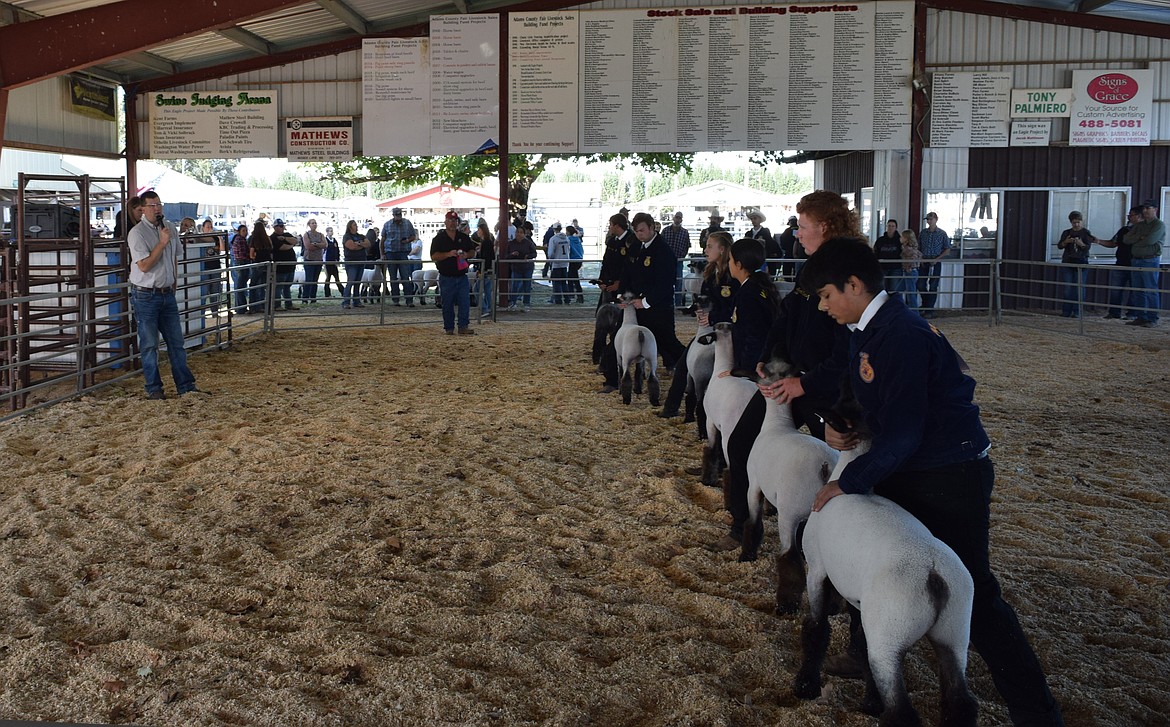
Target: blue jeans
678,289
906,283
1147,299
240,281
1074,278
158,314
522,288
485,298
312,275
285,273
353,282
398,270
455,290
928,279
259,293
1120,297
560,286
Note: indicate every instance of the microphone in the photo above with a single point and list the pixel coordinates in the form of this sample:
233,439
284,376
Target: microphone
158,219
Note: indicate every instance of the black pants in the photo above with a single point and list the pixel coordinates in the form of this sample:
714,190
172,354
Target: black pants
678,385
954,502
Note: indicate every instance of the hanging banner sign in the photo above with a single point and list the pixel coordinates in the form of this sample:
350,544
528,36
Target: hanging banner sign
542,82
465,84
93,99
213,124
319,139
1031,133
969,109
396,97
1111,109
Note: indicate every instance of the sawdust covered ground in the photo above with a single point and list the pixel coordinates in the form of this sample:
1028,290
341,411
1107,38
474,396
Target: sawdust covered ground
390,526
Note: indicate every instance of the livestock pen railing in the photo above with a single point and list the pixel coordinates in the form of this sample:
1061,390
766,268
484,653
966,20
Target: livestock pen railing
45,361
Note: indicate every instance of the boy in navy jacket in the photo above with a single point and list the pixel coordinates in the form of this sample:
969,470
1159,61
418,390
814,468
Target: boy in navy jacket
929,451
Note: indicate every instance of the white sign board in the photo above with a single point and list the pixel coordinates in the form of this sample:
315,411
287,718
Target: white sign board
1040,102
396,97
969,109
1031,133
1112,108
542,82
465,84
319,139
213,124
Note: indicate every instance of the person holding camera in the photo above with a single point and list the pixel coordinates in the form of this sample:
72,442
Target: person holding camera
153,244
452,250
1075,243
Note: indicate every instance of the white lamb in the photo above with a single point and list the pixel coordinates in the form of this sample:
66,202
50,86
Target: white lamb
423,281
700,369
724,402
637,354
906,583
788,468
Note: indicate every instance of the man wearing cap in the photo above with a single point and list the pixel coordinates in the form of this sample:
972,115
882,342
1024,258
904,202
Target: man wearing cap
397,235
313,246
451,250
1145,242
788,246
934,244
678,239
284,254
153,244
764,235
715,224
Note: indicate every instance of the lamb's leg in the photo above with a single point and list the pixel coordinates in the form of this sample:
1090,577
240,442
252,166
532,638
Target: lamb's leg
790,580
885,687
653,388
691,400
639,374
712,462
627,386
814,640
701,415
957,706
753,533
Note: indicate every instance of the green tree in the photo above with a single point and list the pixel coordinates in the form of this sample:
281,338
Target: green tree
221,172
523,169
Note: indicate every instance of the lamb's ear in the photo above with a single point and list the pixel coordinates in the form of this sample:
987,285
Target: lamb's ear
745,374
706,339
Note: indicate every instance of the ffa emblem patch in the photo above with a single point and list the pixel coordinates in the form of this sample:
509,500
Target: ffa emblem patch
625,251
865,369
725,291
645,262
764,294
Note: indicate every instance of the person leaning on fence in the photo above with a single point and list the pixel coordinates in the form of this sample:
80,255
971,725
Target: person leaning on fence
284,252
154,245
241,255
451,250
558,261
313,246
1074,271
576,256
1145,241
353,245
934,243
331,258
485,244
911,261
259,251
398,237
1120,278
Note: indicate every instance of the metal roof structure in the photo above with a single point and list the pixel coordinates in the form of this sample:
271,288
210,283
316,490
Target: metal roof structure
199,40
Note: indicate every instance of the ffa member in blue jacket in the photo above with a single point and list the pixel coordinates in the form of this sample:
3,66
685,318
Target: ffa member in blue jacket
929,451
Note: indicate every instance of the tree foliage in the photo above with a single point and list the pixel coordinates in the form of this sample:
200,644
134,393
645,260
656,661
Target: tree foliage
221,172
523,169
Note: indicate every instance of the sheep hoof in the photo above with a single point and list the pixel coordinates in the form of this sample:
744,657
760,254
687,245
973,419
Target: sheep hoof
748,556
786,607
807,687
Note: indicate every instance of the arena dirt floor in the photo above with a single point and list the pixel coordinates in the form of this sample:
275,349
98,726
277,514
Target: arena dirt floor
392,527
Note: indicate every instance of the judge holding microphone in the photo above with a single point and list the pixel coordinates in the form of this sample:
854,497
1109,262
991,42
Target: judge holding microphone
154,244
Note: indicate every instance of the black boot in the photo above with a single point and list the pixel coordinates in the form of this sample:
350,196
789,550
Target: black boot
678,387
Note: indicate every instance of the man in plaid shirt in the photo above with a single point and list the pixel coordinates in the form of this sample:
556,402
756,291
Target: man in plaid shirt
934,243
678,239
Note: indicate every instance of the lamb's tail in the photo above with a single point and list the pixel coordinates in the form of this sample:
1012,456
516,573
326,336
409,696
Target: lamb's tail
938,591
641,338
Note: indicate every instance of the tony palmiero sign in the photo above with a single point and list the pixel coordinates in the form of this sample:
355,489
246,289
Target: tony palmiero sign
213,124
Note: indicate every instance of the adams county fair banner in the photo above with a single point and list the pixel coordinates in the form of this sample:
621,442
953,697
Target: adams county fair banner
818,76
213,124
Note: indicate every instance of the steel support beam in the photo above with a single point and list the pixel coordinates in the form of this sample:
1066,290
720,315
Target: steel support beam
347,15
1052,17
239,36
52,46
